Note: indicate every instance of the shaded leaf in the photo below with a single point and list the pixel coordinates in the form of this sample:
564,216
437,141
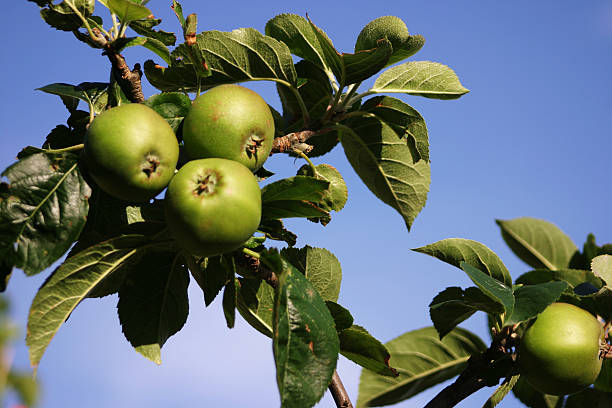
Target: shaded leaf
405,120
501,392
255,302
530,300
293,209
572,276
422,361
359,346
335,196
172,106
72,281
42,210
421,78
454,305
590,398
320,267
213,274
491,287
457,250
342,317
538,243
604,380
153,303
151,44
274,229
230,302
89,92
305,341
61,16
294,188
386,166
363,64
533,398
145,28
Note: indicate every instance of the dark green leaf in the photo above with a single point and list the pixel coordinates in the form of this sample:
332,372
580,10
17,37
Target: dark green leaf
405,120
255,302
491,287
421,78
172,106
127,10
153,302
294,188
293,209
145,28
412,45
42,210
62,17
151,44
320,266
342,317
538,243
72,281
305,340
359,346
457,250
422,360
530,300
590,398
306,41
386,165
334,198
230,302
89,92
212,274
572,276
274,229
535,399
363,64
454,305
604,381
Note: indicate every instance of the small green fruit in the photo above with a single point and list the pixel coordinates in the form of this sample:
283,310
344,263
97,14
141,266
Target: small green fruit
131,152
230,122
559,351
213,206
391,27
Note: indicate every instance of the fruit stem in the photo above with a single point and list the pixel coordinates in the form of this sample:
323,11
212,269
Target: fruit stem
310,163
66,149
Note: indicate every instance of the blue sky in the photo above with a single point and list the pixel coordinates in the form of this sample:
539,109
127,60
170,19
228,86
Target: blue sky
532,138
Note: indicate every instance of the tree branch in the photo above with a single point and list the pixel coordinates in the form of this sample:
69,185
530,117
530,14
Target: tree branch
129,80
336,388
296,140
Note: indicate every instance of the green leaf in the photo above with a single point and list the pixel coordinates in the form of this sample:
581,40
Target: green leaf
172,106
491,287
457,250
501,392
230,302
320,267
151,44
145,28
335,197
255,302
236,56
533,398
42,210
421,78
25,385
306,41
359,346
386,165
274,229
153,303
127,10
422,361
454,305
294,188
212,275
362,65
412,45
90,92
305,340
530,300
293,209
604,380
538,243
72,281
342,317
62,17
602,268
572,276
405,120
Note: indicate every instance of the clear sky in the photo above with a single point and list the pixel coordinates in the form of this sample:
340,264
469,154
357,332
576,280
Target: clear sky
532,138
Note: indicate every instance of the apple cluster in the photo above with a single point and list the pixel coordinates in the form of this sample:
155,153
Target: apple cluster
213,202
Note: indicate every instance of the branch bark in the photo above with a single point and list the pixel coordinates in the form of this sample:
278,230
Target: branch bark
296,140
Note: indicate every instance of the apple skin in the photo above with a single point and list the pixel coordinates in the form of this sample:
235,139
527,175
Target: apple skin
212,206
131,152
559,351
230,122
